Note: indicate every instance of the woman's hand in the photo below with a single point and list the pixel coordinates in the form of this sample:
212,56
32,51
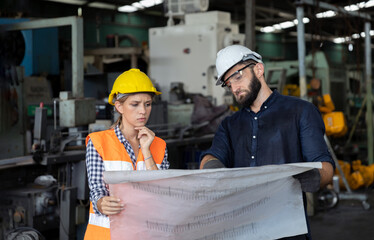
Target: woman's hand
110,205
145,136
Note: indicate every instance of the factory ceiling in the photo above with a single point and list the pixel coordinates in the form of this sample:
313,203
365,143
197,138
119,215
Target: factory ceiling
270,15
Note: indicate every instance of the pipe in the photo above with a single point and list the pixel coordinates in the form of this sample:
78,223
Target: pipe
301,51
369,109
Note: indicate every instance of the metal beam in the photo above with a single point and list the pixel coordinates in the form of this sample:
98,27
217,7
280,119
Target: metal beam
369,109
276,12
113,51
333,8
301,51
77,57
76,24
250,24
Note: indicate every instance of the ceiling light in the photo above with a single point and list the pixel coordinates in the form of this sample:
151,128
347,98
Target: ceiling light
351,8
139,5
287,24
369,4
306,20
267,29
326,14
148,3
102,5
355,36
338,40
282,25
277,27
73,2
127,8
350,47
361,4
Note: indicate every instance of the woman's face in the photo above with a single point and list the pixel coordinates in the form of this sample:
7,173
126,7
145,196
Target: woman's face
136,109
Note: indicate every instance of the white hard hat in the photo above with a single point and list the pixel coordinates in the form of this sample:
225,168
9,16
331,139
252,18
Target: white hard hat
230,56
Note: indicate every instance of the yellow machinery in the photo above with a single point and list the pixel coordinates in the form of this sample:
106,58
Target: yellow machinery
335,123
357,175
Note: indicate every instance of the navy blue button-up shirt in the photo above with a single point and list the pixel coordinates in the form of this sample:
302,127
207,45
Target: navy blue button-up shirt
285,130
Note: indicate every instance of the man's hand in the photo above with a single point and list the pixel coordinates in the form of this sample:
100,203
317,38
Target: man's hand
310,180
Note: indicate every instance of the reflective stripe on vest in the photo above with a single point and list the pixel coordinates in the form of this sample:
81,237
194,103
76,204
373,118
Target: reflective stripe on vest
122,165
98,227
99,220
116,158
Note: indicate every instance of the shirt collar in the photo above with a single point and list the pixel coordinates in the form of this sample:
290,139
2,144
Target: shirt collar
119,134
268,102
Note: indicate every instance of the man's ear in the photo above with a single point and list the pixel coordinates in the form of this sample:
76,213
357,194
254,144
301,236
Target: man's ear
259,70
119,106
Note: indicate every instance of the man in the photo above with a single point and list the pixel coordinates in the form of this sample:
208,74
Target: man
270,128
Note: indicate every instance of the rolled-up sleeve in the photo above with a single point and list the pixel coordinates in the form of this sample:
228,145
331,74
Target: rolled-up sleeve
220,145
95,169
312,130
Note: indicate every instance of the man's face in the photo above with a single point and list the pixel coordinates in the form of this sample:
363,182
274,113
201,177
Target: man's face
245,88
251,94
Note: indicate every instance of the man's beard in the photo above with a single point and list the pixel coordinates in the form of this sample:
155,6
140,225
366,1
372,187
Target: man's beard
254,88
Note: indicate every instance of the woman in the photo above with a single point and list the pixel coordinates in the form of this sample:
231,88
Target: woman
128,145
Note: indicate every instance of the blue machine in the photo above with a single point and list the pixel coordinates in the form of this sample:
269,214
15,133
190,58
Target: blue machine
41,49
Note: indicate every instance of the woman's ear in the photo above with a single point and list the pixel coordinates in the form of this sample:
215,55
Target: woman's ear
119,106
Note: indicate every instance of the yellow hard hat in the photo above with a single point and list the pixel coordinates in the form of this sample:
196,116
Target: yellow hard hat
132,81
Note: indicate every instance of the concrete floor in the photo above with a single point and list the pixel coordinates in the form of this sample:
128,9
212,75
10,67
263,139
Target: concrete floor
347,221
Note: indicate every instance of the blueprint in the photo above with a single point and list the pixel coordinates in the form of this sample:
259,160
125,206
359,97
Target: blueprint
240,203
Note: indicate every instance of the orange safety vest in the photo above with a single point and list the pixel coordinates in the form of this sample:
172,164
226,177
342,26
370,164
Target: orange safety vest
116,158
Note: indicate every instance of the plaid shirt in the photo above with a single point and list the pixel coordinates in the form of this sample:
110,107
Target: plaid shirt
95,168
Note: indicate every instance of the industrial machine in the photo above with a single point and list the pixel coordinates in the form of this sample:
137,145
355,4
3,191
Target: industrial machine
36,50
43,175
186,53
52,179
333,77
182,63
335,122
23,54
182,59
